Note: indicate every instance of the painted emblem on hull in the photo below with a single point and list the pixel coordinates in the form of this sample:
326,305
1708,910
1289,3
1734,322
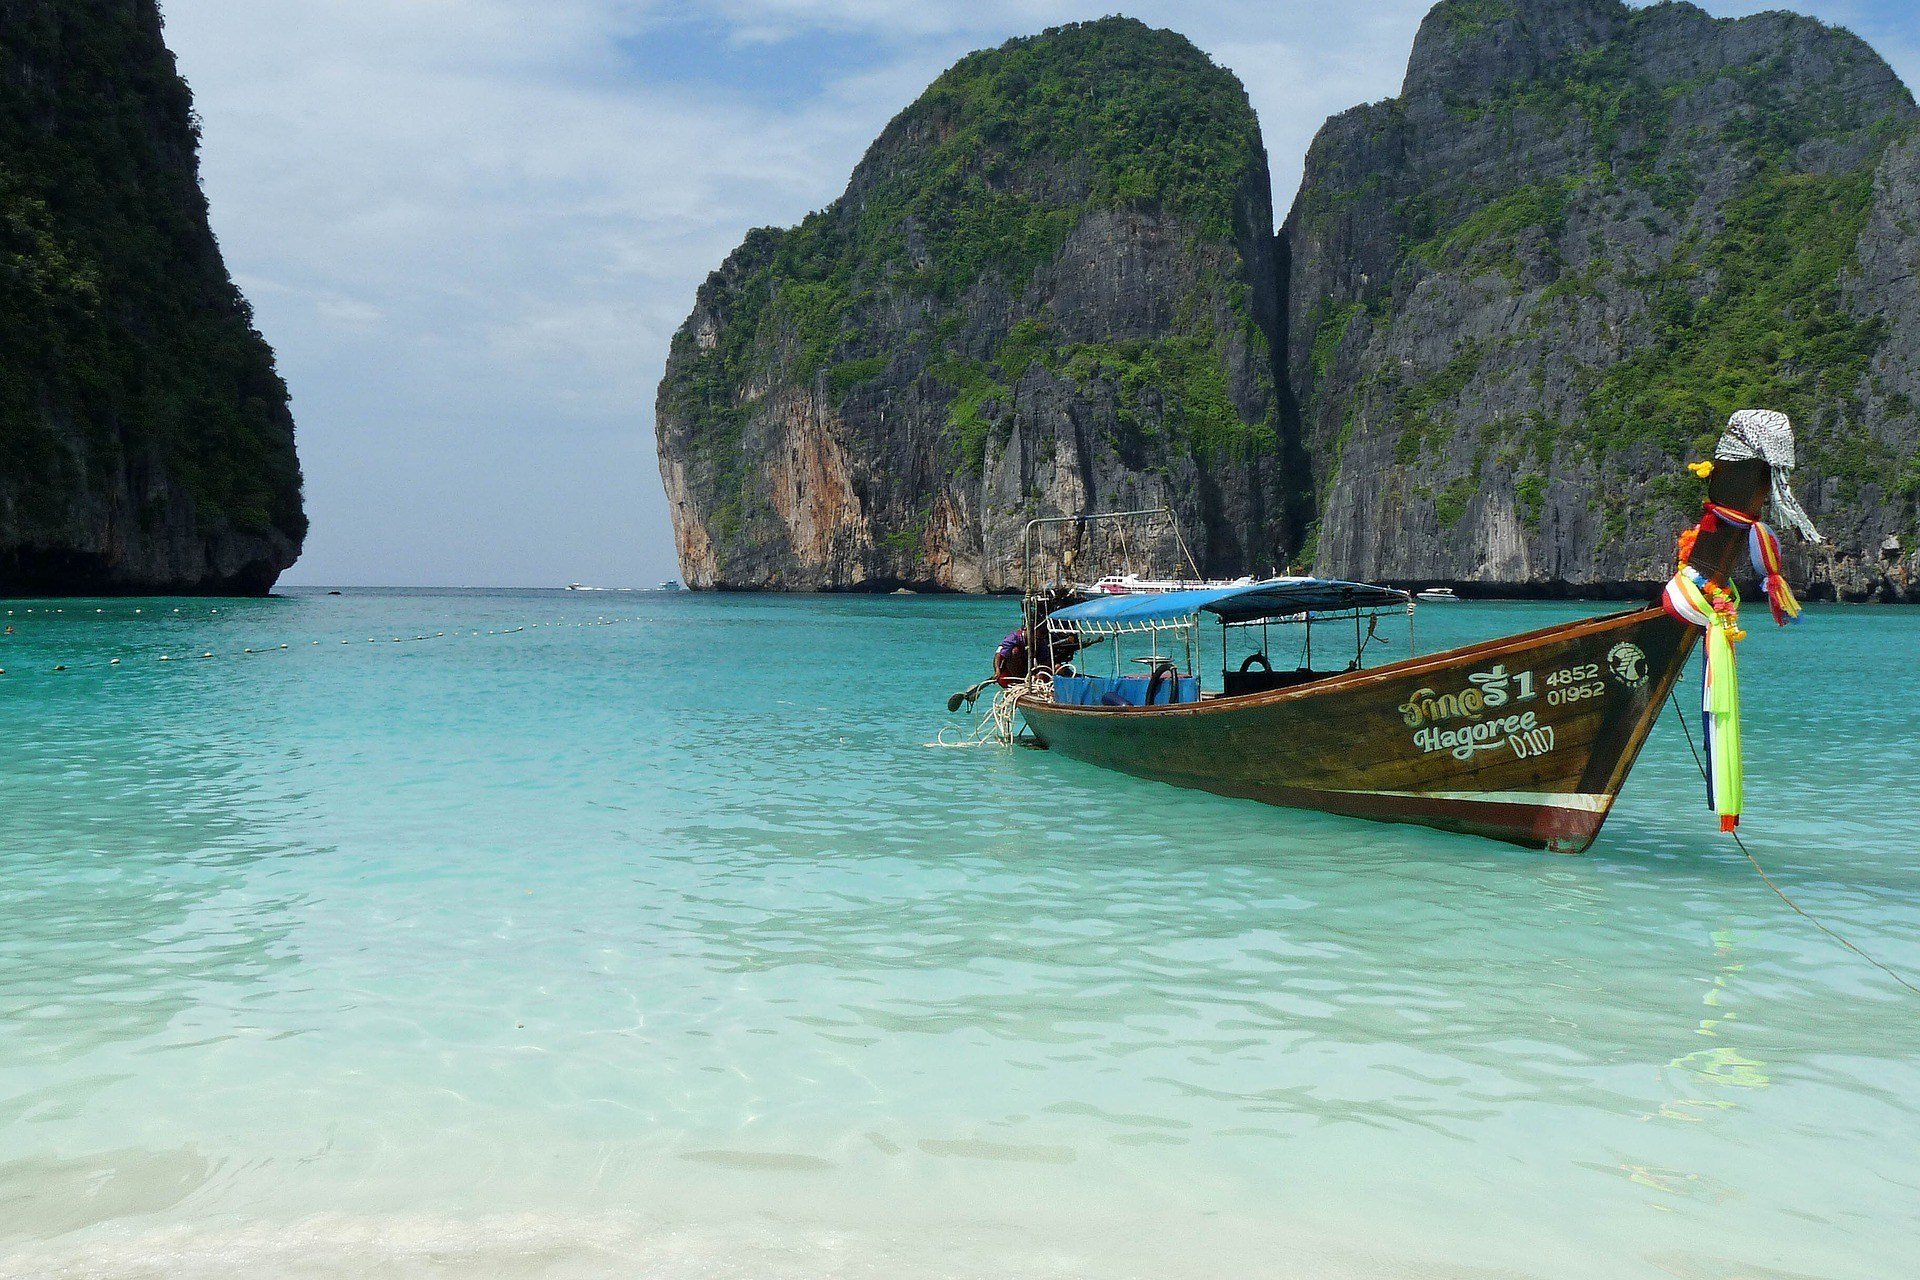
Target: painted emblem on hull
1628,663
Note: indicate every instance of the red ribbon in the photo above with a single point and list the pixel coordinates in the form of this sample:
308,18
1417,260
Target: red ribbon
1763,548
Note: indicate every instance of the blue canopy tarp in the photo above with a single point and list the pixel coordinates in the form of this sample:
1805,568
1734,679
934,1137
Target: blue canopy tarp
1274,598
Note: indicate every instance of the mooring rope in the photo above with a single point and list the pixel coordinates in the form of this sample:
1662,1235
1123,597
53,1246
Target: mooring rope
999,726
1780,893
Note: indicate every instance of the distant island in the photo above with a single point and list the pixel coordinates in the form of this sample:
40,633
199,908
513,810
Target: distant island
1505,306
146,444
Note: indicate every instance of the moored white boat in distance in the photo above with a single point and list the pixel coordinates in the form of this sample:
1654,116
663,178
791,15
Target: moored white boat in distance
1132,584
1437,595
671,584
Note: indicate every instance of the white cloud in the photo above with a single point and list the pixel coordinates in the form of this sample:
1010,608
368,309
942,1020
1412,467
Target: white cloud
469,232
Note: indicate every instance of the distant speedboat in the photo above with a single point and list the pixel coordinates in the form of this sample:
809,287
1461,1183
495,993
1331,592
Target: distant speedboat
1438,595
672,584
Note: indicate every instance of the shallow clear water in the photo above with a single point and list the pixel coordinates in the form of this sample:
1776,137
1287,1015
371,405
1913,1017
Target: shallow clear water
665,946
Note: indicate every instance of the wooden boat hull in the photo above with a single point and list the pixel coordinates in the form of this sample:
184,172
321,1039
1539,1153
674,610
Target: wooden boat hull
1526,739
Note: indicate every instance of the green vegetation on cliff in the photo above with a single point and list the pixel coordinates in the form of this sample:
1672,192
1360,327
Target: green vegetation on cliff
1746,312
1754,317
968,194
1583,235
1589,232
128,352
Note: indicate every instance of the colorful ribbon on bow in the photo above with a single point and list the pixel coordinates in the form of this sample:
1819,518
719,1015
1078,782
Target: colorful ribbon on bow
1696,600
1763,548
1691,598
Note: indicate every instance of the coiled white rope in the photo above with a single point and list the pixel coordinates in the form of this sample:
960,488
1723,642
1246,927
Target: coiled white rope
1001,723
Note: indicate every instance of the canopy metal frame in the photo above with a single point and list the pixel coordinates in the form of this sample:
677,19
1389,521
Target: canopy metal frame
1187,632
1035,528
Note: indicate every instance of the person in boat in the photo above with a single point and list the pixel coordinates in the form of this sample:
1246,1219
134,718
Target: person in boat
1016,655
1011,661
1019,653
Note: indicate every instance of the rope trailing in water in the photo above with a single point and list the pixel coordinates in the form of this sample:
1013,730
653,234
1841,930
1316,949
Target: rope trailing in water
1001,723
1780,893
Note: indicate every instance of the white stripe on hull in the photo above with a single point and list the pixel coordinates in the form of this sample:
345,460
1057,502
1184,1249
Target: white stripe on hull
1578,801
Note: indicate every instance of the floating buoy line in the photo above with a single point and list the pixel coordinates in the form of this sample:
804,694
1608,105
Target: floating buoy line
269,650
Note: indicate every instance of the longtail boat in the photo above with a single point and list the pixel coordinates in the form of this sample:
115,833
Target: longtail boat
1527,738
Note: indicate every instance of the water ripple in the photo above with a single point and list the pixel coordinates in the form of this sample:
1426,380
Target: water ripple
553,947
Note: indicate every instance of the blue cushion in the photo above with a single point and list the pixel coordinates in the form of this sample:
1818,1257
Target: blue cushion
1126,691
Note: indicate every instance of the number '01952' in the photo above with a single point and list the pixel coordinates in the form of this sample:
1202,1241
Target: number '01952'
1574,684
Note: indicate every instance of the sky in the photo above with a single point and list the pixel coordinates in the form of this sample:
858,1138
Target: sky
469,228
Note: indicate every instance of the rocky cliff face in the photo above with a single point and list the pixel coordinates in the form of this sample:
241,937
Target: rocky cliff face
1522,291
1049,288
145,439
1506,305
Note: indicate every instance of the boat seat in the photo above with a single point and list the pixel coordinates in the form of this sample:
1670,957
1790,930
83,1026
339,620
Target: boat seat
1126,691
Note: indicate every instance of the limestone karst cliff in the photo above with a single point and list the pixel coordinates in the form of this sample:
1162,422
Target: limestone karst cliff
1048,288
1521,291
1503,309
145,439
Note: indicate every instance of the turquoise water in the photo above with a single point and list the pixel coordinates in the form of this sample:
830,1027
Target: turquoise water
665,946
